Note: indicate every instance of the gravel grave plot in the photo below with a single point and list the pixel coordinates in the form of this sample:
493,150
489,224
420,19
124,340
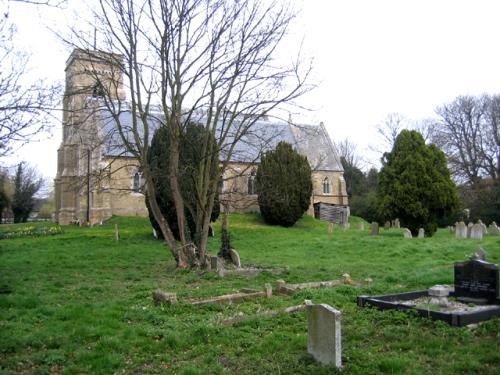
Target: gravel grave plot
454,305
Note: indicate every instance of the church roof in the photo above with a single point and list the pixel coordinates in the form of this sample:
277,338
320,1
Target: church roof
312,141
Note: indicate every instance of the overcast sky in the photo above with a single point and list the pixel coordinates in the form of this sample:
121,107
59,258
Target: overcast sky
371,58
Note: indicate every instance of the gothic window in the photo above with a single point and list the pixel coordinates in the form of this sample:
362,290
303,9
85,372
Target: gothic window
326,186
251,183
138,182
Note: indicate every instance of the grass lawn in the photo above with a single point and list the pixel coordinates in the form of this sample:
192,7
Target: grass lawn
80,302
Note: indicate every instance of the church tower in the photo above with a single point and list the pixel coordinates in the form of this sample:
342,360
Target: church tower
91,76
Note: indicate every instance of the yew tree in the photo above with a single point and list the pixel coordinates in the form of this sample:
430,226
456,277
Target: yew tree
284,185
415,184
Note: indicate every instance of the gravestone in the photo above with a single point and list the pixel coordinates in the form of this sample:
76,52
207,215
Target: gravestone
421,233
407,233
387,225
461,230
374,229
477,280
397,224
485,229
493,229
469,229
361,226
215,262
346,226
476,232
324,334
235,257
439,295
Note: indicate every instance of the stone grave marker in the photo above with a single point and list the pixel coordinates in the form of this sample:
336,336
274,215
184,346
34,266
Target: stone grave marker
439,295
421,233
493,229
476,232
215,263
324,334
485,228
330,228
407,233
361,226
479,254
397,224
374,229
346,226
460,230
235,257
387,225
477,280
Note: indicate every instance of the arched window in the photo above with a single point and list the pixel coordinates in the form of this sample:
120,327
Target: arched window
138,182
326,186
251,182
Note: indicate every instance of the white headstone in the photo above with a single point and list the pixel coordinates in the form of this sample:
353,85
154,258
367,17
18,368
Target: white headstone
460,230
469,229
361,226
421,233
407,233
476,232
324,338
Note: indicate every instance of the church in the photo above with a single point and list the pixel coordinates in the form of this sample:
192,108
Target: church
97,179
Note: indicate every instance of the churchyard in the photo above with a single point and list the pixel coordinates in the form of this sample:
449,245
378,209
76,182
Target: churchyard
81,302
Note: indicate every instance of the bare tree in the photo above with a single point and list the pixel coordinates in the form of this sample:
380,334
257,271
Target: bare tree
389,130
348,151
468,133
25,107
210,62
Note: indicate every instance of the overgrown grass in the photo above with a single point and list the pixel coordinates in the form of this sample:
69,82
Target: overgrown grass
80,302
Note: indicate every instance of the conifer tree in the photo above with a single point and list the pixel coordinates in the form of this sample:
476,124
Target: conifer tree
415,184
284,185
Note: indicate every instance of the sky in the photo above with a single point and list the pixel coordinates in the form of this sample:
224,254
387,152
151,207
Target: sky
370,58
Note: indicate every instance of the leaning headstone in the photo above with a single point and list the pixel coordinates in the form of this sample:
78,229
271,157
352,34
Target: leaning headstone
374,230
493,230
469,229
460,230
407,233
361,226
397,224
476,232
324,334
235,257
387,225
421,233
477,280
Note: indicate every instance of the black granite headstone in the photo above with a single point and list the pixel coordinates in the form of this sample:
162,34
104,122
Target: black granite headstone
477,279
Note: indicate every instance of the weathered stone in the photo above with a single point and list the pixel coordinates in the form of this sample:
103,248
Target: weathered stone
476,232
421,233
330,228
324,340
493,230
235,257
215,263
397,224
407,233
485,228
461,230
361,226
374,229
346,226
269,290
479,254
160,297
387,225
